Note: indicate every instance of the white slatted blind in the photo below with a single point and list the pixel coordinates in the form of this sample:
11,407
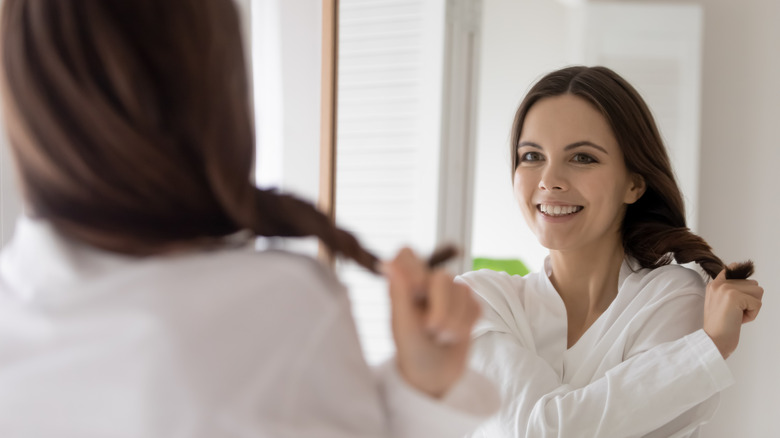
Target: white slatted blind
389,121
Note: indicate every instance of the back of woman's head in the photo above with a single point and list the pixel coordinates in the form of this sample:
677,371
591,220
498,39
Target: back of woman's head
131,126
654,230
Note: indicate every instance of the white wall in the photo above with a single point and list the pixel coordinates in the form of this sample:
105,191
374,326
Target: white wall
287,57
739,210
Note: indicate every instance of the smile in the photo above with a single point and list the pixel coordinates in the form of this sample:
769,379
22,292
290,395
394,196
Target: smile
558,210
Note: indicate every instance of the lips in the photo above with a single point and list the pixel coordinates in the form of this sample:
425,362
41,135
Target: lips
558,210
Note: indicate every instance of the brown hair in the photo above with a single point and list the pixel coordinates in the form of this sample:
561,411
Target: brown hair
131,127
654,231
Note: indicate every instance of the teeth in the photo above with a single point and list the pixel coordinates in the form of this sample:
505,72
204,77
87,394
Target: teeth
558,210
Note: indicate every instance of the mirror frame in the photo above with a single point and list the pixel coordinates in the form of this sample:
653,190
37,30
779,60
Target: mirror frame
328,109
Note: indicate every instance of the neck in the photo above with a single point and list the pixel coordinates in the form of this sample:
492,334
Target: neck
586,278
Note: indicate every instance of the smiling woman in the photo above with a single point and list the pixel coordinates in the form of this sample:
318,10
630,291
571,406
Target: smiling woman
610,313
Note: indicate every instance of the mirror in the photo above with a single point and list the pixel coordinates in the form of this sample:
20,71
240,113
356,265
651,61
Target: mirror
706,69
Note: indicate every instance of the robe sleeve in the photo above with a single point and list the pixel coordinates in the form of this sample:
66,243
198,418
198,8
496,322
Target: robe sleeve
339,395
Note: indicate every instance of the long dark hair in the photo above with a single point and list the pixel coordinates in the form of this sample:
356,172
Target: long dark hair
654,230
131,127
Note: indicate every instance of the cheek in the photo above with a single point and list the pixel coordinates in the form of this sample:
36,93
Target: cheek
523,188
609,188
622,193
612,204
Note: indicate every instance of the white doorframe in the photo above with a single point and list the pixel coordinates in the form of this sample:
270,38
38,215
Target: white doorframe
458,139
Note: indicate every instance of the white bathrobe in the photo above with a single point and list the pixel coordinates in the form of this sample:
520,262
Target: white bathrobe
644,368
225,343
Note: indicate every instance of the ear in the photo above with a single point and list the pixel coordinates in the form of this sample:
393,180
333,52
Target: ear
636,189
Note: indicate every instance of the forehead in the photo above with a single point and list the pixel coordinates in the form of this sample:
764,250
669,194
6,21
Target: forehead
566,119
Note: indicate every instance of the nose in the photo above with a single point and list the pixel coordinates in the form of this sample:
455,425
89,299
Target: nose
552,179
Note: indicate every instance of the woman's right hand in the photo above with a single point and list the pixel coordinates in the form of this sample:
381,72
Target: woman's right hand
432,317
727,305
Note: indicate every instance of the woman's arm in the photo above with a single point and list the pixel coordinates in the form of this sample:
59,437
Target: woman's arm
632,399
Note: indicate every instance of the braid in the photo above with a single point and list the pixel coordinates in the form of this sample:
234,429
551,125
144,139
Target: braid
287,216
269,213
656,244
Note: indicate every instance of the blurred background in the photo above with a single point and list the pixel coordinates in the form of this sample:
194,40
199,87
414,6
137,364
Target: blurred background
427,93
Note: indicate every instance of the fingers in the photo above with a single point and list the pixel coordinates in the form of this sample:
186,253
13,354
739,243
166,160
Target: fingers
749,287
408,277
751,306
440,303
754,291
444,310
452,309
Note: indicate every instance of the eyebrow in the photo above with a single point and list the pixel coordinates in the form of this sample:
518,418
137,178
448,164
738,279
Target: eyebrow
568,147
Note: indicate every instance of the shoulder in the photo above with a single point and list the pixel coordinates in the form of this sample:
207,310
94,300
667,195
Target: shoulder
502,297
668,305
286,297
666,281
260,288
495,288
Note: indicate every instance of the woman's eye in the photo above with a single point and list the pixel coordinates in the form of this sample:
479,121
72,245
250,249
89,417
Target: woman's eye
584,159
531,156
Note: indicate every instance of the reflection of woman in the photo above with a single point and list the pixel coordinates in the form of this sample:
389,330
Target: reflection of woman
608,340
128,303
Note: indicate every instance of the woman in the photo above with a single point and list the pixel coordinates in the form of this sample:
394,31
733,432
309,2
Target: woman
131,304
611,340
